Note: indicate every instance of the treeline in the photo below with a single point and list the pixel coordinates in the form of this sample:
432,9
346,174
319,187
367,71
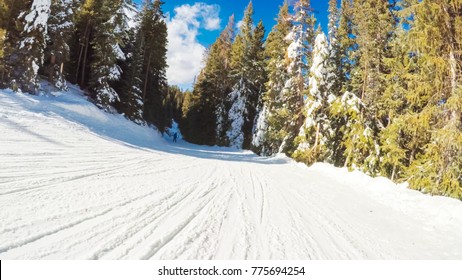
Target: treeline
382,92
107,47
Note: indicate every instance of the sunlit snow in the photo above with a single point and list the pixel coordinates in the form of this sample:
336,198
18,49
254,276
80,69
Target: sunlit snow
79,183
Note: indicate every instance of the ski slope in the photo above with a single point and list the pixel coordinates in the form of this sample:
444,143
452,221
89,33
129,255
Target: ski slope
78,183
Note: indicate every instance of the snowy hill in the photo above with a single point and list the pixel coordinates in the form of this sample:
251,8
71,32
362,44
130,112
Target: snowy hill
78,183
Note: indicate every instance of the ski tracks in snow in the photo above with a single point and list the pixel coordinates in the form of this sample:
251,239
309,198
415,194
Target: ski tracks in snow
67,192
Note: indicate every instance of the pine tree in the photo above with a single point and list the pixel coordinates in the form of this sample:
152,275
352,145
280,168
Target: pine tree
199,110
394,109
173,105
57,52
25,40
247,71
86,18
345,46
434,94
199,113
218,70
334,18
356,138
240,72
336,80
2,42
12,26
207,108
343,58
154,36
3,20
373,27
268,134
106,52
130,87
338,63
260,78
299,55
314,140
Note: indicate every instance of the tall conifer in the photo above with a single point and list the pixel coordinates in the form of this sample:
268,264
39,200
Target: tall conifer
435,95
57,52
207,109
106,52
25,39
299,55
373,27
154,36
268,132
314,142
248,75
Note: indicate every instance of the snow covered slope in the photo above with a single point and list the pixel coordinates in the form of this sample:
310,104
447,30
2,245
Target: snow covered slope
77,183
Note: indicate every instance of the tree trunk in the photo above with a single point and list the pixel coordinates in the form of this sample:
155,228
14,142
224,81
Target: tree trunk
411,157
365,80
84,65
146,78
393,173
347,159
81,52
85,52
450,25
317,137
3,76
51,69
78,64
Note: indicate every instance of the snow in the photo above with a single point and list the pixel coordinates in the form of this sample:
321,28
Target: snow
37,18
318,67
120,55
114,72
79,183
293,51
131,15
318,89
35,67
236,116
351,101
260,127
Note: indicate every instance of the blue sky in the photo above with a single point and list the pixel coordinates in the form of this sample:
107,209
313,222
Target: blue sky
194,25
266,10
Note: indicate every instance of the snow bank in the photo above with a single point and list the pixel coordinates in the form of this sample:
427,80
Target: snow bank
74,108
445,210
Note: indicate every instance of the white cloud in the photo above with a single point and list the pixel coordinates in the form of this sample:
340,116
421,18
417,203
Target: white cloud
239,24
185,53
212,23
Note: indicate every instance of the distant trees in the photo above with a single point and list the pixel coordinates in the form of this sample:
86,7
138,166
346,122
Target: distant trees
153,32
248,76
268,132
206,108
227,95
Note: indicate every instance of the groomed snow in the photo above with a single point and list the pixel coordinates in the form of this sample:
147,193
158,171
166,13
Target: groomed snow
78,183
